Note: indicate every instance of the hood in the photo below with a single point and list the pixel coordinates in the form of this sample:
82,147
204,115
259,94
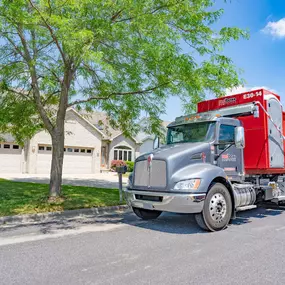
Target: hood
171,151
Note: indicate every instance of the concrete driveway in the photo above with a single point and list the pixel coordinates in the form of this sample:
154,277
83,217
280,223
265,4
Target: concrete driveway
103,180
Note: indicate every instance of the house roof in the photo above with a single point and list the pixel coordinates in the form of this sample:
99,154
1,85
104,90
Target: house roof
101,121
87,121
7,138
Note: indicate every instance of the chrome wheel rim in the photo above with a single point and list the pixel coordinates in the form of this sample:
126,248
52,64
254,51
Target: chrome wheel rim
218,207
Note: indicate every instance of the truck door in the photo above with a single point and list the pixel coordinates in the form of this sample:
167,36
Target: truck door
231,158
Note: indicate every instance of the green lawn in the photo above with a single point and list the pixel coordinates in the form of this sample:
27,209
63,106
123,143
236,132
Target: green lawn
25,198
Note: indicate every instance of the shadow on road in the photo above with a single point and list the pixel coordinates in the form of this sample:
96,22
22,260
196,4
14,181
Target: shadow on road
183,224
259,213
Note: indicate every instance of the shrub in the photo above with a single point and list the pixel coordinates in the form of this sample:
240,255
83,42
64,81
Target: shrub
115,163
130,165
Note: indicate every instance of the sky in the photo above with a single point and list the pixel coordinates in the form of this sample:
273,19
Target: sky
262,57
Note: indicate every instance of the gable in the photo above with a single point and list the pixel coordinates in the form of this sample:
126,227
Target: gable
78,132
121,140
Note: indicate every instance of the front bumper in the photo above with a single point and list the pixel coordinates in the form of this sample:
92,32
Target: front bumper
167,202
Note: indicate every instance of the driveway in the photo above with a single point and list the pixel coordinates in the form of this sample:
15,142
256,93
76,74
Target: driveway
121,249
100,180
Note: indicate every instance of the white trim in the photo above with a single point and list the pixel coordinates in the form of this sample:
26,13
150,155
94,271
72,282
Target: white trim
137,142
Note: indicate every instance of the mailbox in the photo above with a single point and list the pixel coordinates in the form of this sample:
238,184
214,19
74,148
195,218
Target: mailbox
121,169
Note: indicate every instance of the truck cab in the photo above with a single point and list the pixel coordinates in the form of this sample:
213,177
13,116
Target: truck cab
201,169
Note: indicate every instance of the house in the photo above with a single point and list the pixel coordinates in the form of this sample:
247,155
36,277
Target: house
90,146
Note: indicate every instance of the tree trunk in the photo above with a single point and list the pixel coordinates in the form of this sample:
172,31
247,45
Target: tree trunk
57,162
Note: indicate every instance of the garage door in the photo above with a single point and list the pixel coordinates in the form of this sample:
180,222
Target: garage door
76,160
10,158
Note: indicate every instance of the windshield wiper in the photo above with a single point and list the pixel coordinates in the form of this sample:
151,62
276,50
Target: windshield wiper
218,155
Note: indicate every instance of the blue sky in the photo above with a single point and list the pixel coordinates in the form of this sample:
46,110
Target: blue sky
262,57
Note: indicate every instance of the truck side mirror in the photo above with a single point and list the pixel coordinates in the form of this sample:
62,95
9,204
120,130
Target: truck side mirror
239,137
156,142
255,111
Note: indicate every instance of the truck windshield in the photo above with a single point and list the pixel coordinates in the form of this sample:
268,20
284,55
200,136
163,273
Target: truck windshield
196,132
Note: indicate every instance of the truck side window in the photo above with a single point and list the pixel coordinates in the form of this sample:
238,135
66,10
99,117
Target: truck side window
226,136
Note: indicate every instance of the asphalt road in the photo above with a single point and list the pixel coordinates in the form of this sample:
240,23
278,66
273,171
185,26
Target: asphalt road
123,250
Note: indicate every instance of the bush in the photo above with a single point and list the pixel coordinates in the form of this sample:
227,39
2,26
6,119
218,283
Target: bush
130,165
115,163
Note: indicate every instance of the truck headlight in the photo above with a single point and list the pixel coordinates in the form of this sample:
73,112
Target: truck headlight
130,179
187,185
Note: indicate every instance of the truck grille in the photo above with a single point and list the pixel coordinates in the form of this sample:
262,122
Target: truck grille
155,178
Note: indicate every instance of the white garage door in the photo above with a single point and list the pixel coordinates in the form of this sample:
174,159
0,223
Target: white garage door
10,158
76,160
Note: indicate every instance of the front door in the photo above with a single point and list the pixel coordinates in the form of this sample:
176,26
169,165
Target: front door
103,156
231,158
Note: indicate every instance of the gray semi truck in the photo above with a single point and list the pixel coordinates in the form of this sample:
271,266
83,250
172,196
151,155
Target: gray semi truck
214,162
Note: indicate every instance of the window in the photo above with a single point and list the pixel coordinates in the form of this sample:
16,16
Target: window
6,146
41,147
69,149
89,150
227,134
123,153
48,148
76,150
196,132
82,150
15,146
64,149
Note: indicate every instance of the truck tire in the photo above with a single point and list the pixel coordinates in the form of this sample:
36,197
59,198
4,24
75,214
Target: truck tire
146,214
217,209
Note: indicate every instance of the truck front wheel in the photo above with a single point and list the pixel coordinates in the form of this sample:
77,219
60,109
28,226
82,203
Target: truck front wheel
217,209
146,214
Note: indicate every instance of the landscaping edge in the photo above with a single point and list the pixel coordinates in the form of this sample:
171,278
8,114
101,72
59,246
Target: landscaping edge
57,216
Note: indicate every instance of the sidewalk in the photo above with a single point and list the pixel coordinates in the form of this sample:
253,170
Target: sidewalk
99,180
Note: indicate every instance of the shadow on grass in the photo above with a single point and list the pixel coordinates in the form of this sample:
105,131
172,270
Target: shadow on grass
18,198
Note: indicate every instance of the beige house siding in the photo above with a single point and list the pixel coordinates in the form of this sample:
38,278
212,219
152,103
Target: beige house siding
146,146
78,133
121,140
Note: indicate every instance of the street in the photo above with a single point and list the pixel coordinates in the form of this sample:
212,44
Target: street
121,249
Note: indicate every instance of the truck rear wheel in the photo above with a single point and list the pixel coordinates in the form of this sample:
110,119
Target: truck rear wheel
217,209
146,214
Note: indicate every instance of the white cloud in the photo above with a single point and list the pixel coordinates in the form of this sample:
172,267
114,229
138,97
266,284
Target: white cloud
275,29
242,89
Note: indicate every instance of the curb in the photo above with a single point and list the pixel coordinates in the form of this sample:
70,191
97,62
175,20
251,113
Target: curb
57,216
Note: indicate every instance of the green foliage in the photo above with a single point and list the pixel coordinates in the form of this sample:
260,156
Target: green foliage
123,57
116,163
18,117
18,198
130,165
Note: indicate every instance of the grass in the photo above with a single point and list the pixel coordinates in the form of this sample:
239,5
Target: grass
28,198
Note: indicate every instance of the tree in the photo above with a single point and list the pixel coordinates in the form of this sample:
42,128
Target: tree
124,57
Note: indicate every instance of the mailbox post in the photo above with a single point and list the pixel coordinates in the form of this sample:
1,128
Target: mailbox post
121,170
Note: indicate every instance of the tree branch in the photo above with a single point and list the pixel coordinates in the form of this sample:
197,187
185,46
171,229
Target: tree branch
137,92
15,47
51,31
50,95
116,15
150,12
35,87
